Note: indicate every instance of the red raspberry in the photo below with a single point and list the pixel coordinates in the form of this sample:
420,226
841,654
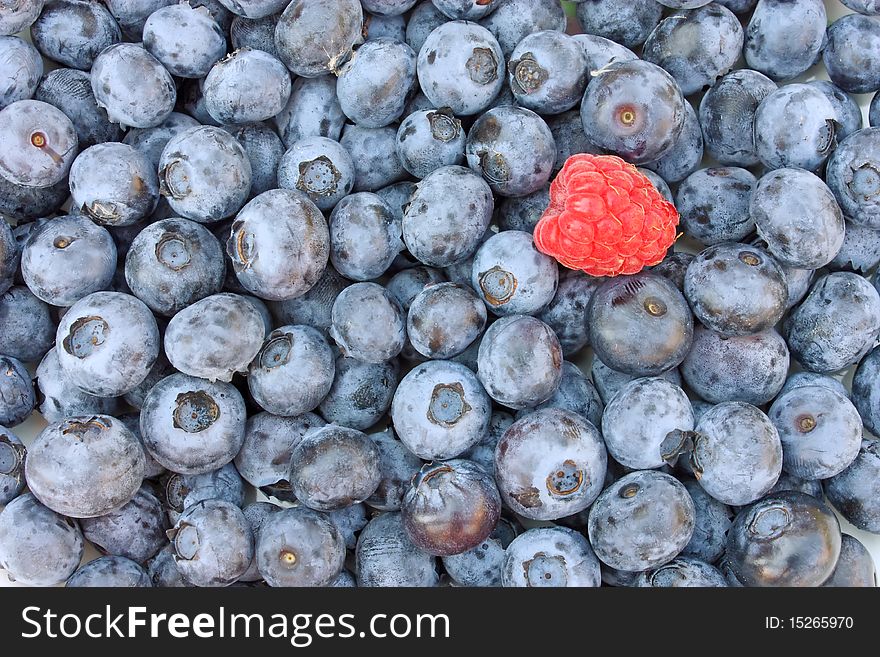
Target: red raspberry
605,218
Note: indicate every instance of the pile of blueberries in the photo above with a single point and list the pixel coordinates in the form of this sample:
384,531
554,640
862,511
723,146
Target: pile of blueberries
286,246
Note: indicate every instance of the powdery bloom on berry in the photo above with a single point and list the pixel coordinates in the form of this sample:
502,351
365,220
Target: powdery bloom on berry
605,218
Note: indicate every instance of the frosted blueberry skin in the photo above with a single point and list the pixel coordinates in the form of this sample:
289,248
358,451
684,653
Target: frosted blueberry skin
74,32
430,139
31,203
849,114
186,40
39,144
853,174
674,267
107,342
264,150
640,325
461,66
367,323
21,67
820,429
788,539
520,362
256,514
312,111
152,141
451,507
187,444
600,52
135,531
576,393
447,215
810,231
641,521
132,14
837,323
388,7
316,38
634,109
570,139
27,330
124,71
320,168
737,453
512,277
163,571
854,492
315,306
483,453
513,149
173,263
132,421
626,23
406,284
749,368
609,382
550,464
866,390
254,8
246,86
85,467
293,371
398,466
713,204
254,33
547,72
374,85
465,10
686,154
19,15
566,313
727,116
373,153
855,566
216,337
61,399
110,572
682,572
860,251
851,53
365,236
482,565
423,19
361,393
804,379
334,467
385,556
440,410
444,320
12,457
783,39
213,543
639,419
867,7
550,557
38,547
205,174
225,484
712,520
10,257
264,457
511,21
260,249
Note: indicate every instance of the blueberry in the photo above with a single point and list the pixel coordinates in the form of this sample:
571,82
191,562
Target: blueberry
447,215
609,382
836,324
293,371
788,482
461,66
74,32
849,114
213,543
163,571
365,237
601,52
377,26
628,23
315,306
12,457
634,109
254,33
264,150
548,72
860,251
152,141
855,492
855,566
425,17
696,47
749,368
684,4
407,284
18,15
451,507
107,342
566,313
852,53
349,521
132,422
21,68
682,572
803,144
686,153
820,429
187,41
428,140
785,37
246,86
440,410
799,282
30,203
61,399
737,453
85,467
38,547
641,521
205,174
192,426
320,168
315,37
809,231
712,521
483,453
132,14
334,467
576,393
397,196
444,319
112,571
866,390
367,323
361,393
513,149
261,255
398,466
789,539
482,565
867,7
713,204
256,514
727,116
550,557
312,111
254,8
27,330
570,139
125,71
39,143
741,6
874,111
387,557
225,484
135,531
853,174
804,379
640,419
373,152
